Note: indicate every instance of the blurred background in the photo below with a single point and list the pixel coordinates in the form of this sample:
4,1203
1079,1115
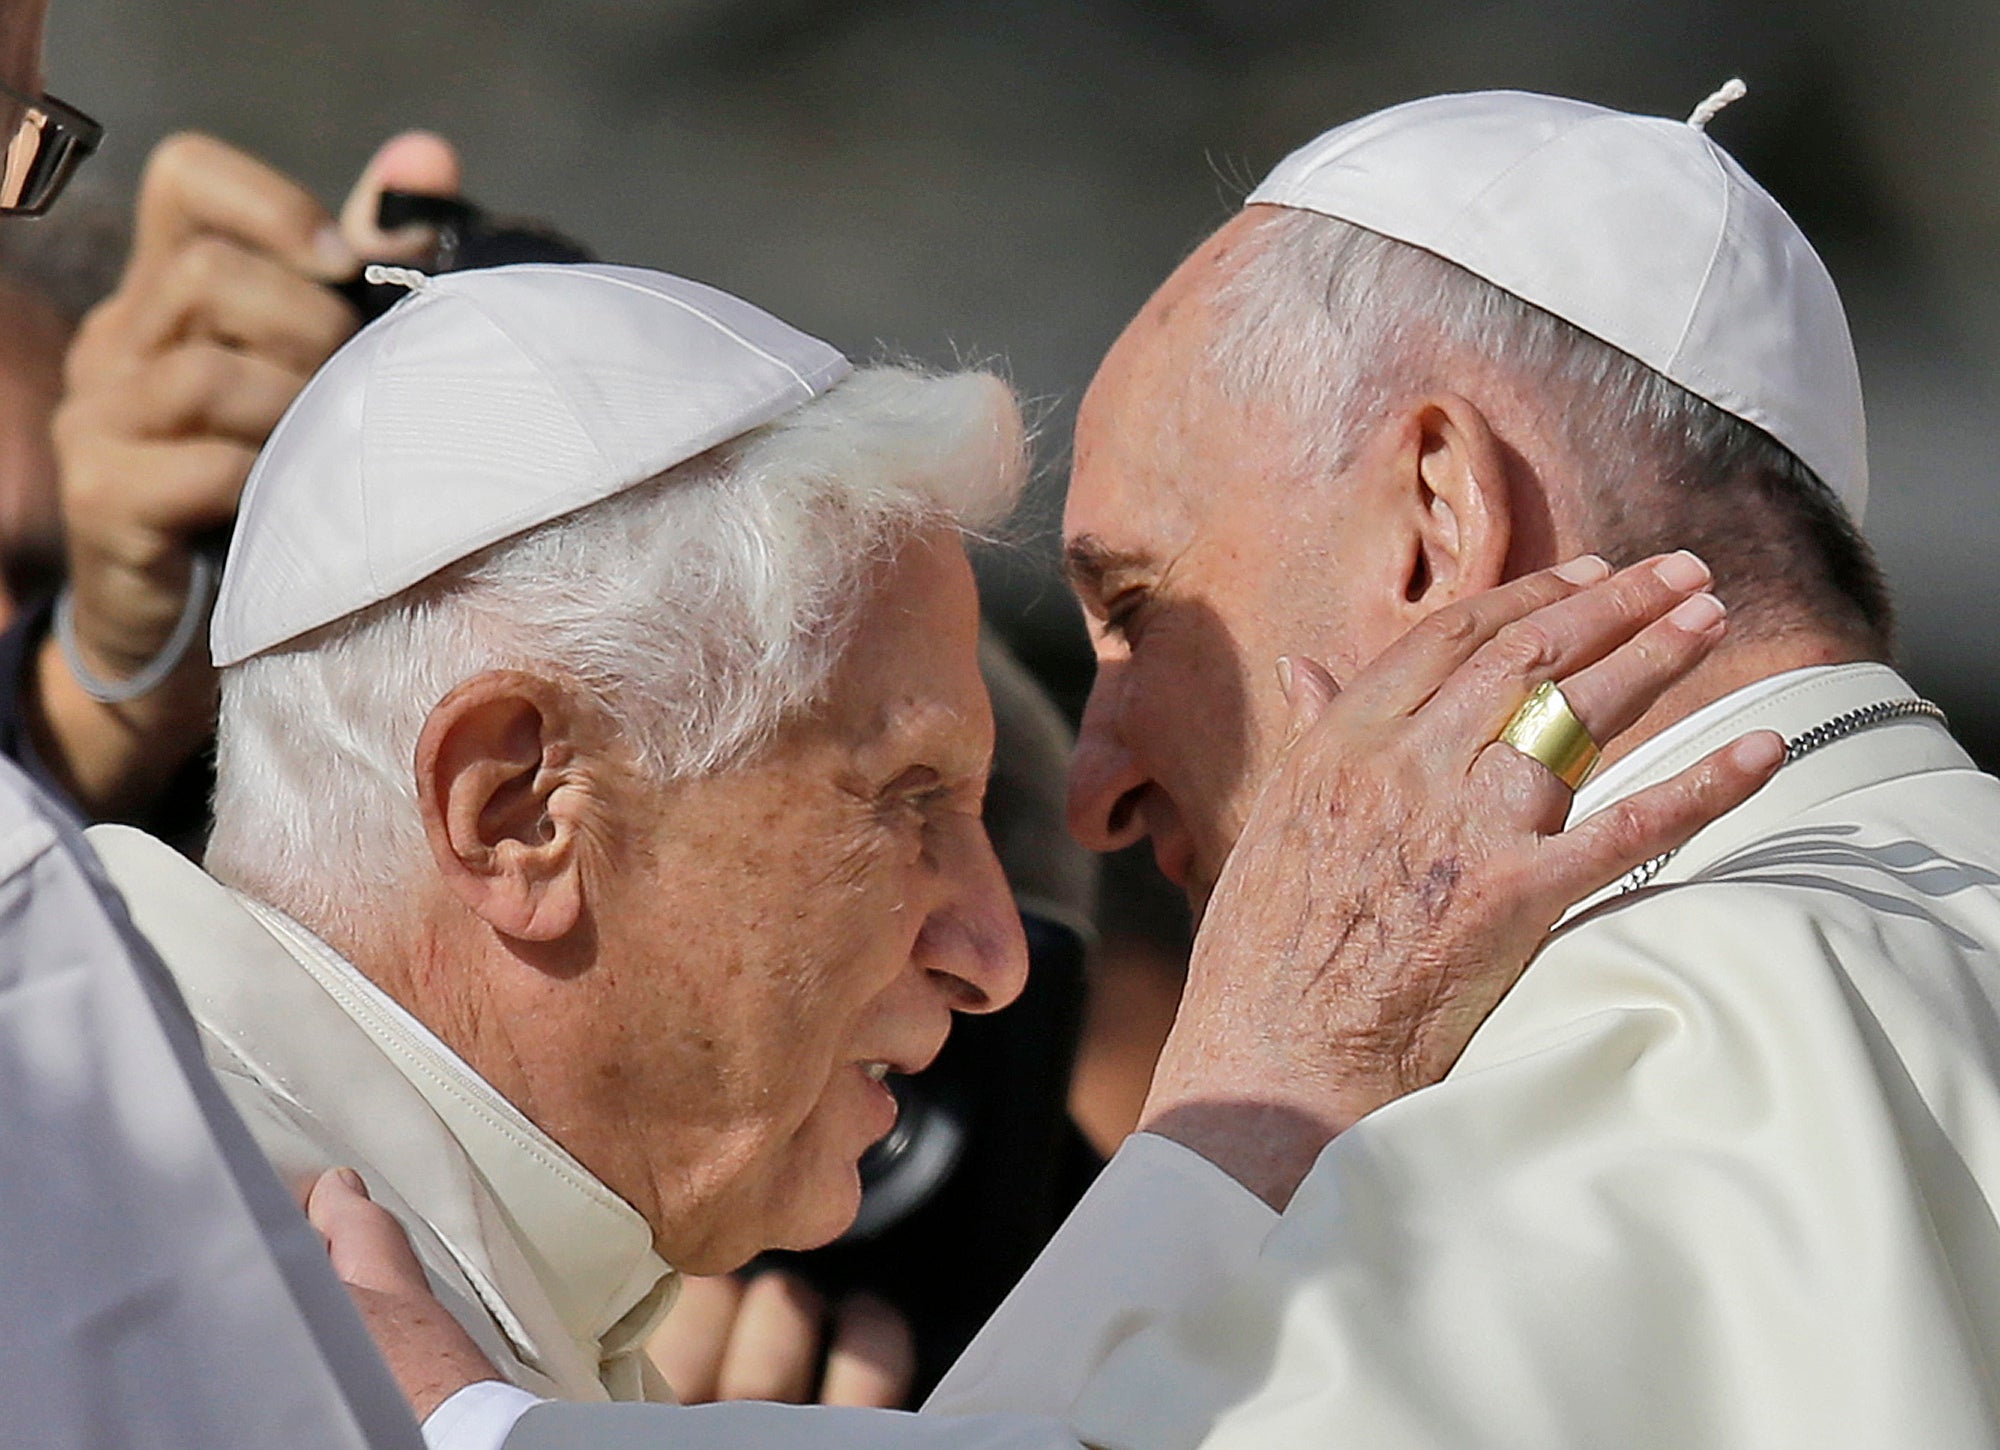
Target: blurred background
1006,179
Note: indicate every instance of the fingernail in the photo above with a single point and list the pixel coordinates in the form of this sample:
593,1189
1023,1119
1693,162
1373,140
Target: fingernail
1682,571
1699,614
333,252
1285,676
1584,569
1760,752
352,1180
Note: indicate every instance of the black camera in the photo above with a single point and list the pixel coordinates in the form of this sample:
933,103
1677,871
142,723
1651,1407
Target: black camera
467,238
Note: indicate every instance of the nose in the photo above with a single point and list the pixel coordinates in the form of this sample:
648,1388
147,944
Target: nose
972,944
1106,782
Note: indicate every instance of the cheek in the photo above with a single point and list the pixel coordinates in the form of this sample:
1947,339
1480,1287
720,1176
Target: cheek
845,946
1198,717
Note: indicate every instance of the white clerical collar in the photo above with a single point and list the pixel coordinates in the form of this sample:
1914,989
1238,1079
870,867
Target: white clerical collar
1801,705
591,1250
1629,772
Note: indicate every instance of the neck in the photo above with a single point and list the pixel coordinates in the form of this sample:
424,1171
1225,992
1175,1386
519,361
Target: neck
435,970
523,1023
1732,666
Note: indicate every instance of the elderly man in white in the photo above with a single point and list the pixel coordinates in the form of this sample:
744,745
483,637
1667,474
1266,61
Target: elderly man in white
1720,1169
578,1026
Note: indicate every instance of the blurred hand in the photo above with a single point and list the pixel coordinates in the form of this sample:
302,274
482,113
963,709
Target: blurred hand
173,384
1401,866
728,1339
430,1354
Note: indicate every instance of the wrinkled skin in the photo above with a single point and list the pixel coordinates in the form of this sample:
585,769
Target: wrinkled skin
1368,893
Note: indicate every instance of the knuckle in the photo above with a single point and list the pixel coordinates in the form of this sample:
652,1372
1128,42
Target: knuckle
204,264
1456,624
174,154
187,378
174,163
99,339
1524,647
1641,594
1627,828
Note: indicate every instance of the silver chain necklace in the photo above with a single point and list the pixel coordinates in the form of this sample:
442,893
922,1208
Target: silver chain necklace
1797,748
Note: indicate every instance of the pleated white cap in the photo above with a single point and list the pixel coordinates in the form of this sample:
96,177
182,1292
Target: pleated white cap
481,405
1637,229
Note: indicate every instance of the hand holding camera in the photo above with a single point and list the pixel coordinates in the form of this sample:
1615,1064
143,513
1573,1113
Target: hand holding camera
173,384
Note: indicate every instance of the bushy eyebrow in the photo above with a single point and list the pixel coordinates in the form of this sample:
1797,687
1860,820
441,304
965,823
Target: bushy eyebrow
1089,561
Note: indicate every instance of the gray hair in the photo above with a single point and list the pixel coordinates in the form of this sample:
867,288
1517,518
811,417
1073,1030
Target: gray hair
701,610
1334,324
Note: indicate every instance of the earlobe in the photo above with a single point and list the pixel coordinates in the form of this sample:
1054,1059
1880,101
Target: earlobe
492,785
1462,516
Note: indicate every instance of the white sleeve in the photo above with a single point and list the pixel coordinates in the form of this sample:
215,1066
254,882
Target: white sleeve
157,1284
753,1425
1161,1226
478,1417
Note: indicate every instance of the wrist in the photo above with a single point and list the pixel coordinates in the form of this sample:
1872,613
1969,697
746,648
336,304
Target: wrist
477,1417
1265,1111
123,611
1267,1147
114,760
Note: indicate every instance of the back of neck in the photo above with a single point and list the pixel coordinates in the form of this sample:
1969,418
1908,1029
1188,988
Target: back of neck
1734,665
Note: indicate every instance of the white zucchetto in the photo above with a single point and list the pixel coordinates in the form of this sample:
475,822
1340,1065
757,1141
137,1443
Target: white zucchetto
1639,230
483,404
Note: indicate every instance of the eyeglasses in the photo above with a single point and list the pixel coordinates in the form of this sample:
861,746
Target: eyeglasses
49,140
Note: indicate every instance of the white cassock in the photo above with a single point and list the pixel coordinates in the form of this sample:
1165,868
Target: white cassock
157,1287
1721,1171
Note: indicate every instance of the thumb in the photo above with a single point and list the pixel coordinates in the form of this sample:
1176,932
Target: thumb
367,1246
416,161
1308,687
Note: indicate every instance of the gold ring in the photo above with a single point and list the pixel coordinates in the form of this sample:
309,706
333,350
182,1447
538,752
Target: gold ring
1546,729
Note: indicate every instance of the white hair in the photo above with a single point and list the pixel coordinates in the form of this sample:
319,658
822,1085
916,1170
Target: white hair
1335,324
1335,321
701,609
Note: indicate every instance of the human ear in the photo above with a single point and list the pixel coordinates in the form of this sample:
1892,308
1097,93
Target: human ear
498,785
1457,503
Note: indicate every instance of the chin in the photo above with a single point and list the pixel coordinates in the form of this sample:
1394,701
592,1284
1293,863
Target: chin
815,1188
799,1210
821,1210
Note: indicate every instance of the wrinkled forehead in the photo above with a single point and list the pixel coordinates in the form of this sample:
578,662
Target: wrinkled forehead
911,663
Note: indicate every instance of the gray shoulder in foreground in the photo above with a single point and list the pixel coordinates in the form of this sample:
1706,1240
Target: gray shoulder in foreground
754,1426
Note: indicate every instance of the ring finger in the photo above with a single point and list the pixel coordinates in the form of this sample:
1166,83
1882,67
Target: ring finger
1606,699
1554,643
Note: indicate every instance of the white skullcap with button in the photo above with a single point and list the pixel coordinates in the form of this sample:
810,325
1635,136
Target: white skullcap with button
1639,230
481,405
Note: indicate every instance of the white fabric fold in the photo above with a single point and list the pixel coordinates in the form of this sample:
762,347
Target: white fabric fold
536,1258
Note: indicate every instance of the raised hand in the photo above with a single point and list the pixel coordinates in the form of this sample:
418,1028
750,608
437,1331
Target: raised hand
172,386
1402,866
